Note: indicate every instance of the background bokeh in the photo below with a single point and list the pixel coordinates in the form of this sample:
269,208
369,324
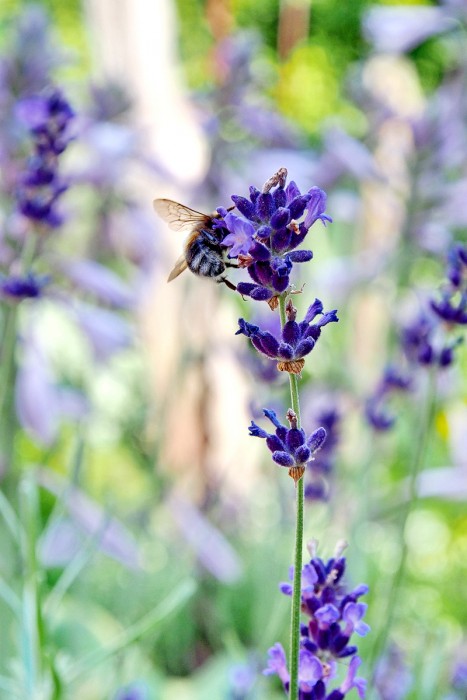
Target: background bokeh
143,532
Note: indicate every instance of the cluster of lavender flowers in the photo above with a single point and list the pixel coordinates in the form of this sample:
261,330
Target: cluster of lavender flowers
263,239
290,447
37,273
428,341
334,616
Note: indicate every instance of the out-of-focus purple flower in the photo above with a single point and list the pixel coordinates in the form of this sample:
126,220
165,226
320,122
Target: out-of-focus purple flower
94,278
353,155
319,470
399,29
242,678
290,447
297,339
47,117
134,691
459,677
109,101
334,615
209,545
452,307
392,676
393,381
418,344
32,55
106,331
273,223
18,287
41,404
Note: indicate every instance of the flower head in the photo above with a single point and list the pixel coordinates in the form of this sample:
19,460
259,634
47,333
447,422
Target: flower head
18,287
47,117
320,469
290,447
272,224
297,339
334,615
393,381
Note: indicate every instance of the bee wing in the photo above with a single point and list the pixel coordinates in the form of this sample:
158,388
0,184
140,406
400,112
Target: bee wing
179,266
178,216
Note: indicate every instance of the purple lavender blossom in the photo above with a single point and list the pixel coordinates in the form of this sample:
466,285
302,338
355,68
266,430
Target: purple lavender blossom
297,339
452,307
334,616
41,403
393,381
392,676
419,344
134,691
399,29
47,118
290,447
18,287
273,223
322,465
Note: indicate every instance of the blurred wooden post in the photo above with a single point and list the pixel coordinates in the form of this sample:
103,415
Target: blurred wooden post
134,43
198,388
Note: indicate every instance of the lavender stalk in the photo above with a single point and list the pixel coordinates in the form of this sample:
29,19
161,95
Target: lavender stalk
299,523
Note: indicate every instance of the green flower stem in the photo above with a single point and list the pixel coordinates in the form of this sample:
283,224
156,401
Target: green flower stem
32,631
297,579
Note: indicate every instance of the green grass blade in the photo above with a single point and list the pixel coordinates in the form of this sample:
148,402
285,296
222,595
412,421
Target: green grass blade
154,619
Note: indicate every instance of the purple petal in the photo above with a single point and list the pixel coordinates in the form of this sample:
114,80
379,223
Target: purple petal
310,670
316,206
300,256
240,238
277,663
316,439
211,548
291,192
313,310
244,206
283,459
327,614
255,291
291,333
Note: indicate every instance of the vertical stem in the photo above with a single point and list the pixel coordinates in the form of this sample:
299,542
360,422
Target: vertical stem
297,579
32,623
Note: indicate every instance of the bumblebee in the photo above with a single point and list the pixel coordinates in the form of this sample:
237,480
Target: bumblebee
203,253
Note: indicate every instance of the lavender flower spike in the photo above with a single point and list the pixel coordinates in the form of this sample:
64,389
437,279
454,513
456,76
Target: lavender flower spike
334,615
290,447
297,339
265,236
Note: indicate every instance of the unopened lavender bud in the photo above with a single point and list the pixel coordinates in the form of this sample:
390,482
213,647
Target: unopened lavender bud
316,439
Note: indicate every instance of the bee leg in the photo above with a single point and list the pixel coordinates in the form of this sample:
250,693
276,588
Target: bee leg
227,282
229,264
